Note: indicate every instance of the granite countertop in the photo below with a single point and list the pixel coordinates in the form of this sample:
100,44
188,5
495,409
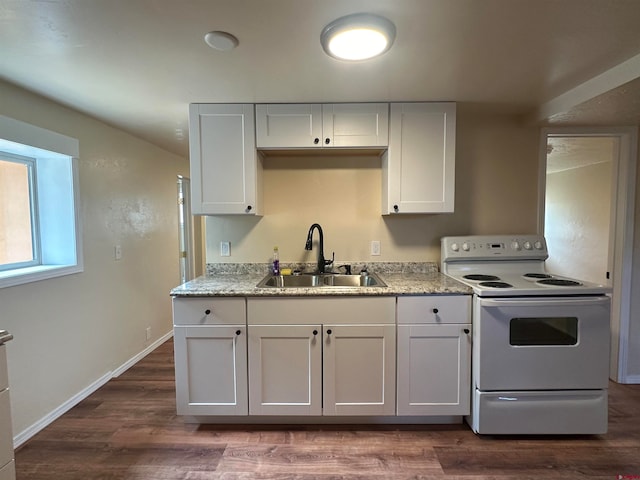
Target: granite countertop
240,280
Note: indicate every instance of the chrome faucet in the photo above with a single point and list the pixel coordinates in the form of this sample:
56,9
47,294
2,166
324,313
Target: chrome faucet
308,246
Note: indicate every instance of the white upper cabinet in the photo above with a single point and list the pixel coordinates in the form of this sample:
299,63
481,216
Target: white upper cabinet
344,125
225,168
418,168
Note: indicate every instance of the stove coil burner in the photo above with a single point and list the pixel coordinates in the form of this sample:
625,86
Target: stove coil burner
537,275
559,282
478,277
496,284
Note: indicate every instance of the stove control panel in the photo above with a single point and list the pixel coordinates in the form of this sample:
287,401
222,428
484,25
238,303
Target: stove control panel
494,247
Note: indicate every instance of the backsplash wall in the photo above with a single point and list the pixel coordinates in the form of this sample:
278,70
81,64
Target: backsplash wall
496,192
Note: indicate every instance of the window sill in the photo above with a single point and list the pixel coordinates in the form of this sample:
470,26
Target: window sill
20,276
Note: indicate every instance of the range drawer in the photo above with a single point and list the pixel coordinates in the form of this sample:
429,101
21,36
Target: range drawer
435,309
209,311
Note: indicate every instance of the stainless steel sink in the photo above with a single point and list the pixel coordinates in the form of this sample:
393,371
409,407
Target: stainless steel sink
326,280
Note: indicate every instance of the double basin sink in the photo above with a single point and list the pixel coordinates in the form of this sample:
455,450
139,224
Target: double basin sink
321,280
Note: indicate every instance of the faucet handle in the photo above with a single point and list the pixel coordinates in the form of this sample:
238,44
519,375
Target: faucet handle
330,262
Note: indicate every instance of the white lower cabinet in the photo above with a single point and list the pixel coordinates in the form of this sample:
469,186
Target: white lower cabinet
8,472
341,361
210,343
329,356
7,464
211,379
434,355
359,369
285,370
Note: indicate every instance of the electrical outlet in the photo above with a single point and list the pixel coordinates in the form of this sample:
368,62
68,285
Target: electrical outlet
117,252
375,247
148,333
225,249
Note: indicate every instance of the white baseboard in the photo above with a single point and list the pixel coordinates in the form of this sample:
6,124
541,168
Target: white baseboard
133,360
631,379
30,431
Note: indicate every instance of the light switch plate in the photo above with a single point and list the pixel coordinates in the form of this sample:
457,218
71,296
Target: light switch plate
375,247
225,249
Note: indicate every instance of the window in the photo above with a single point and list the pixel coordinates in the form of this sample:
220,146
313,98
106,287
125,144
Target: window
39,225
18,230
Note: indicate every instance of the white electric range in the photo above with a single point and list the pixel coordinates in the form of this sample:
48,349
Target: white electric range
540,362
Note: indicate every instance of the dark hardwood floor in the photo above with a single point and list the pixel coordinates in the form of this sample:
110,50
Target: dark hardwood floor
128,429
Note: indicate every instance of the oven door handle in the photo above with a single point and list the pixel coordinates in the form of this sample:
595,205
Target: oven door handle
544,301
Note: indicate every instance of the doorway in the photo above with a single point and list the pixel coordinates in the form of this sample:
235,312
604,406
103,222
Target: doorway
586,212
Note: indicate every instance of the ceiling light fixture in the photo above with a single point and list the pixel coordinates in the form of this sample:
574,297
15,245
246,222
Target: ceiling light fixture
358,37
222,41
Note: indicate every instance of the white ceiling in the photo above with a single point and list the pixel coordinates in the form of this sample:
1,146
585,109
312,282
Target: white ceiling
137,64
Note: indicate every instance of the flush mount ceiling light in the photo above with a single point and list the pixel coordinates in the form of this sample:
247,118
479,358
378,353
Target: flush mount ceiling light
358,37
222,41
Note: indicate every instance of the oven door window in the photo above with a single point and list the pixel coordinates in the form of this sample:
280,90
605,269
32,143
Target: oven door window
543,331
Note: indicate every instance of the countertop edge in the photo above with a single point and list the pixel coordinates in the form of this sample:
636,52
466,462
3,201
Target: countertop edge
398,284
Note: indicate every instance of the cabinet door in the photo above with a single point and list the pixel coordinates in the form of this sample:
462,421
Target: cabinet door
289,126
434,369
355,125
418,168
359,369
225,168
8,472
6,436
211,370
285,370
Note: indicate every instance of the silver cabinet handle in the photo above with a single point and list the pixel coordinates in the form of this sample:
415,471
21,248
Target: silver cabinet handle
5,337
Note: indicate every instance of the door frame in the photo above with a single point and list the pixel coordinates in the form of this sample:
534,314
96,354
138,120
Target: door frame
621,231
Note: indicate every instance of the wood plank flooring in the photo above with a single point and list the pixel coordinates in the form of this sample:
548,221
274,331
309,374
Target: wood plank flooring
128,429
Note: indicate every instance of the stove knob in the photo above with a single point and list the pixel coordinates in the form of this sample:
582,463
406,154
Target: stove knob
515,245
455,247
538,245
465,247
527,245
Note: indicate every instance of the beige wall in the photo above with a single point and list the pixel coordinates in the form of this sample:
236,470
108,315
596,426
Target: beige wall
496,192
71,331
577,221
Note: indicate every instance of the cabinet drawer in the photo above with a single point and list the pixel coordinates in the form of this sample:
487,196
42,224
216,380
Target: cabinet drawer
209,311
434,309
6,437
312,311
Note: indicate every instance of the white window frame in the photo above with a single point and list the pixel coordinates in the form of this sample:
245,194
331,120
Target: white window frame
56,193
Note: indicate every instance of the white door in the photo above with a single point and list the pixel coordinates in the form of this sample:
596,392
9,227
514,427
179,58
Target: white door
211,370
289,126
223,159
359,369
355,125
434,376
418,169
285,370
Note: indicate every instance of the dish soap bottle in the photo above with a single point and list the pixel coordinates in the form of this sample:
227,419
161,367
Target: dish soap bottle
276,261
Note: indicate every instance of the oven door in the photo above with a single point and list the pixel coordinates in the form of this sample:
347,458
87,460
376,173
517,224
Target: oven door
541,343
